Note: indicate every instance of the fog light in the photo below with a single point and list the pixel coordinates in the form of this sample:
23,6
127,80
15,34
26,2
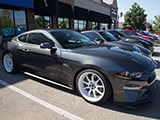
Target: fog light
132,87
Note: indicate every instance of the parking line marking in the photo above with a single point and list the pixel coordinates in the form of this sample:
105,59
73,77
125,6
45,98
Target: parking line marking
43,103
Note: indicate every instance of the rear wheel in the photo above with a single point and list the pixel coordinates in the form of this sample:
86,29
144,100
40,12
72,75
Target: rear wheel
93,86
9,63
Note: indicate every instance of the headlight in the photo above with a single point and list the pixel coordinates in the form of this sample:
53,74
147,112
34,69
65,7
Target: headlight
129,75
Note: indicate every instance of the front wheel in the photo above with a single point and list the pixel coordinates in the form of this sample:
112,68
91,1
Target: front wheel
9,63
93,86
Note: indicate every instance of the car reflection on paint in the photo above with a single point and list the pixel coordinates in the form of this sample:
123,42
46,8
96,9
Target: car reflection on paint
104,37
95,71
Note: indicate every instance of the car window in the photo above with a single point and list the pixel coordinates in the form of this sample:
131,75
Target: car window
112,32
121,34
38,38
71,39
131,33
22,38
108,36
92,35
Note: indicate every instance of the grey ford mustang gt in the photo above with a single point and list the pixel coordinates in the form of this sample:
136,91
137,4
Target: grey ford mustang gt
95,71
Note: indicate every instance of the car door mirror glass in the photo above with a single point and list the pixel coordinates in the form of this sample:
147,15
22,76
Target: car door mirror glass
46,45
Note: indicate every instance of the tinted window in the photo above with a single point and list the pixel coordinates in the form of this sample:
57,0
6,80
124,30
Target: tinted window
71,39
112,32
92,35
20,22
43,21
22,38
13,22
121,34
108,36
63,23
7,22
129,32
38,38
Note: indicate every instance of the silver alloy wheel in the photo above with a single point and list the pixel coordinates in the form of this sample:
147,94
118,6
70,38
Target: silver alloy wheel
8,63
91,86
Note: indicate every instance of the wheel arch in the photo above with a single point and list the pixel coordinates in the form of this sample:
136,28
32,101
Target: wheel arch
5,53
8,51
94,68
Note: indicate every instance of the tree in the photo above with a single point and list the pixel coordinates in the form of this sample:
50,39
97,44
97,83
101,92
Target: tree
5,16
63,24
156,24
135,18
41,22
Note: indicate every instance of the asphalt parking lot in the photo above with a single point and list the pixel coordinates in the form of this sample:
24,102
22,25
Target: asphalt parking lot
26,98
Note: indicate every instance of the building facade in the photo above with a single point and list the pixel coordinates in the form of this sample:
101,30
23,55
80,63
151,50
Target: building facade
17,17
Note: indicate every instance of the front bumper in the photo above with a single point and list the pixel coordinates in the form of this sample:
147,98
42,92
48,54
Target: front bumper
135,93
146,98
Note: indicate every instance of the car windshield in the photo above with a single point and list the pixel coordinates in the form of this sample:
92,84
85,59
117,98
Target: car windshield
72,39
128,33
108,36
138,33
122,34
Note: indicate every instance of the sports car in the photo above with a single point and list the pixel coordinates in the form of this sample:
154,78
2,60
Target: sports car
71,59
121,35
104,37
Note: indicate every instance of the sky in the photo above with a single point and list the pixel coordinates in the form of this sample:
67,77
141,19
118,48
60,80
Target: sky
151,7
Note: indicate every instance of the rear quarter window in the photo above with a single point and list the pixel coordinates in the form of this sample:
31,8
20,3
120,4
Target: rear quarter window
22,38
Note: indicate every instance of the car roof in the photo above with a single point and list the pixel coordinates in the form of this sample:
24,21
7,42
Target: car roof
47,30
94,31
113,29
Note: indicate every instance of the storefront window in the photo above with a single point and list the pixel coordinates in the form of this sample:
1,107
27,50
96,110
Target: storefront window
93,25
104,26
63,23
13,22
43,22
20,22
79,25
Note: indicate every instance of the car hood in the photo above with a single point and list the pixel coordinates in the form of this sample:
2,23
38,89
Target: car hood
122,43
148,42
129,46
132,61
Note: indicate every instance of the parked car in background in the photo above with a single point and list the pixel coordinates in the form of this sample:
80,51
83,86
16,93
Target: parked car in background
132,32
157,34
104,37
95,71
145,33
120,34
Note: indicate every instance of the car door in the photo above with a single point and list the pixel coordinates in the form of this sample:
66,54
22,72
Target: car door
42,61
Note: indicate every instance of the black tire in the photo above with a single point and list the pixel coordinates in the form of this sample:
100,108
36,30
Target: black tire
93,86
9,63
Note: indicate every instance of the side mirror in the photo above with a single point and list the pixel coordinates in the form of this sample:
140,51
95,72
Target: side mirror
99,40
117,36
46,45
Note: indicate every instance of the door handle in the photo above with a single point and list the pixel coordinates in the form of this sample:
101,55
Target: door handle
26,50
